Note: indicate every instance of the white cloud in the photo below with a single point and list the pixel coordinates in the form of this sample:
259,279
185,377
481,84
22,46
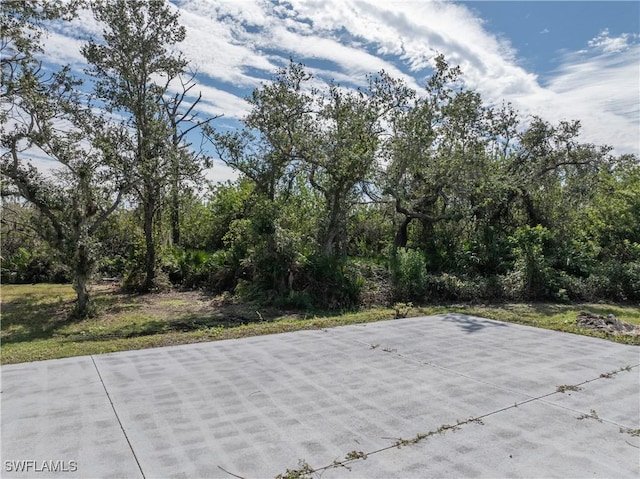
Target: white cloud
606,44
237,44
219,102
602,91
219,173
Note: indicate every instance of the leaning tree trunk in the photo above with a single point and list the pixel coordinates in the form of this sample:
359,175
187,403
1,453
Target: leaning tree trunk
402,235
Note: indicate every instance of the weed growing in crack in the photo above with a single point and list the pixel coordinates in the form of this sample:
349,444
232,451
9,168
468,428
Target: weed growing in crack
441,430
353,455
304,471
374,346
592,415
610,374
631,432
568,387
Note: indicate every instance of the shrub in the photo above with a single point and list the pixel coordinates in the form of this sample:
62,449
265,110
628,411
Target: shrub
408,274
619,280
188,268
450,287
532,275
134,270
37,266
332,282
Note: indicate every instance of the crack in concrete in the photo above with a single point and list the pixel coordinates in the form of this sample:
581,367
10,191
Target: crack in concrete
444,428
117,417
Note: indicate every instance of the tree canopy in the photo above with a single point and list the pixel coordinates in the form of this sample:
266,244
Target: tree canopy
344,195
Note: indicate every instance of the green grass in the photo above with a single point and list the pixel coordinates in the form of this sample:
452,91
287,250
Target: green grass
36,322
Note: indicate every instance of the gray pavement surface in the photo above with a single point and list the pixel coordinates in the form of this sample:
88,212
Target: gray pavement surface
255,407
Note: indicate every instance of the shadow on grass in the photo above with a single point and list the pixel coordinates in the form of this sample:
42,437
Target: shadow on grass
28,318
152,326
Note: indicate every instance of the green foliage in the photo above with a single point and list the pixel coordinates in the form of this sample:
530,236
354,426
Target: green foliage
449,287
87,183
133,276
332,282
409,274
188,268
402,309
34,266
617,280
489,207
205,224
369,231
120,245
532,273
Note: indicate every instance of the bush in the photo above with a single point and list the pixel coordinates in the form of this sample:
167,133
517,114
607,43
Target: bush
134,267
111,267
408,274
332,282
449,287
26,266
618,280
377,289
188,268
532,276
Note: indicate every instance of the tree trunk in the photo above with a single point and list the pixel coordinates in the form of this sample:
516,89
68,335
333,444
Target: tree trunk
328,243
402,234
175,192
175,216
335,236
81,280
150,256
535,218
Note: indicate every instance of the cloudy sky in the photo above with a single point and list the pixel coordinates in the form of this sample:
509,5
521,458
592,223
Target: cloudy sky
560,60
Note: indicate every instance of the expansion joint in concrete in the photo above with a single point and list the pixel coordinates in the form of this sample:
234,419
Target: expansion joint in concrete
104,386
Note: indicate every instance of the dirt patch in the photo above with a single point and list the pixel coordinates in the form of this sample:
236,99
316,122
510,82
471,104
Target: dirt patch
194,307
606,324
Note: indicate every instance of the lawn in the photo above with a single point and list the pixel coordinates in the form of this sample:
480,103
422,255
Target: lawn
36,323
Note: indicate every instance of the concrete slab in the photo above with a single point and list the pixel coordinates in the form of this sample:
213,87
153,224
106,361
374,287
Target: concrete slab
57,421
254,407
534,440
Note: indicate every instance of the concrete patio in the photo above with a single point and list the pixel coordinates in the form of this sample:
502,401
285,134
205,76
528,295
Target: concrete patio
543,404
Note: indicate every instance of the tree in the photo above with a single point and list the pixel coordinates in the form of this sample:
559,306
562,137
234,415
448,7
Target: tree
550,162
436,153
46,114
348,130
276,134
21,25
269,152
185,163
134,68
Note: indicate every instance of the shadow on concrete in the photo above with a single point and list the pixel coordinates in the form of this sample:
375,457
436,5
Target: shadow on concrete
471,324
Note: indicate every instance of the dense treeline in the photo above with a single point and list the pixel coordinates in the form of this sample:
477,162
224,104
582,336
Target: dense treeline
344,196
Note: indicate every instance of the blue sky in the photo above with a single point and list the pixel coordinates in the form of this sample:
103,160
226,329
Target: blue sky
542,31
559,60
